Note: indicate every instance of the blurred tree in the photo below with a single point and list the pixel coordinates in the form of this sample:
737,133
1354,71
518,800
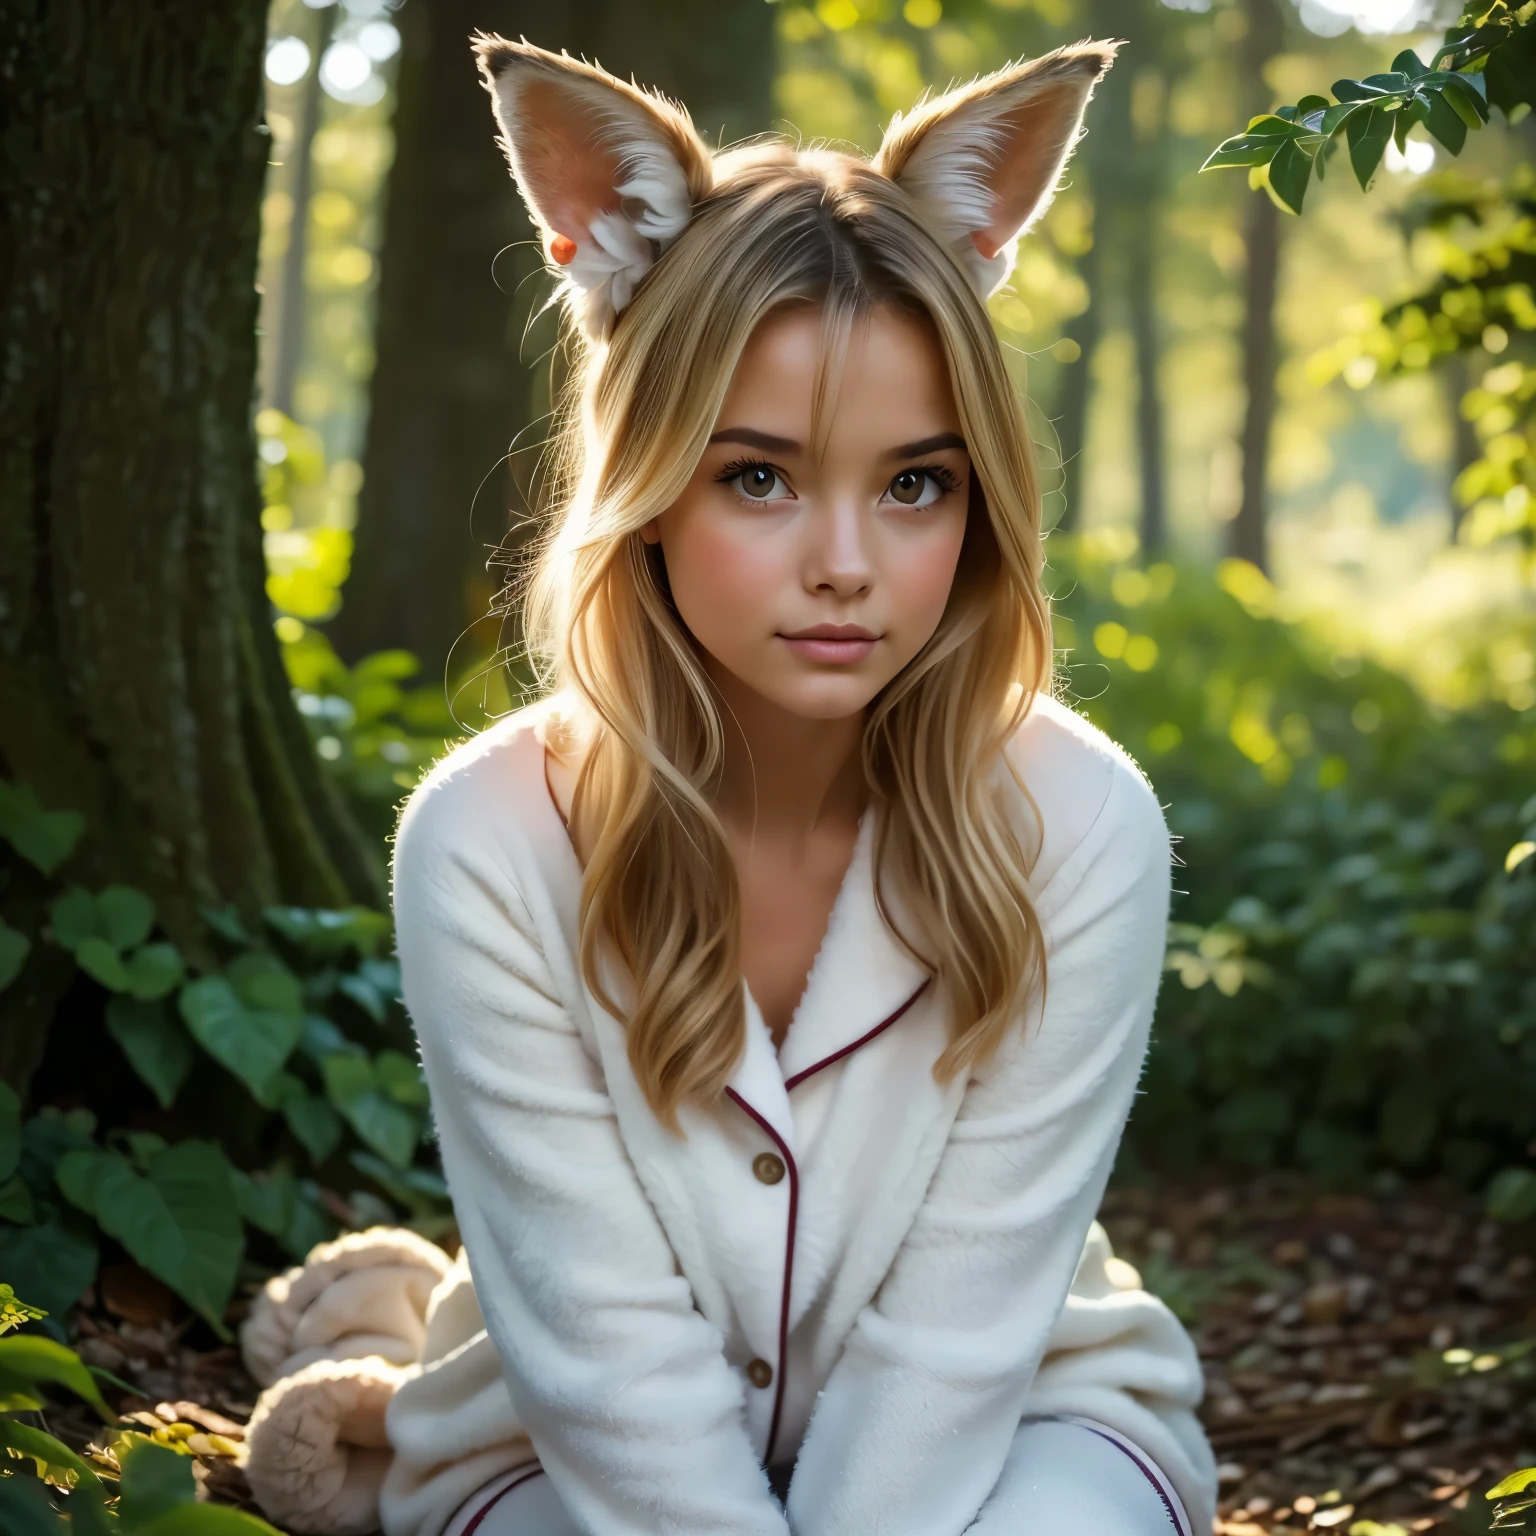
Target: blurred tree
140,680
455,382
1248,531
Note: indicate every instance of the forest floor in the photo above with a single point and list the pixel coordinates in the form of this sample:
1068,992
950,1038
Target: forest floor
1363,1356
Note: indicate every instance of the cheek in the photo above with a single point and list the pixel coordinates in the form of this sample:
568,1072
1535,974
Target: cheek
724,574
920,573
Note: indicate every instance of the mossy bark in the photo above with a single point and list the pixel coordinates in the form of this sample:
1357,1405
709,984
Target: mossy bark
140,681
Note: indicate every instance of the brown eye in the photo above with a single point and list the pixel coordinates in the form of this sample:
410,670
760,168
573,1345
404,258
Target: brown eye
912,488
759,482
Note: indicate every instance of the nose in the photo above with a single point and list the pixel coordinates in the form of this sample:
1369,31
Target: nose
840,557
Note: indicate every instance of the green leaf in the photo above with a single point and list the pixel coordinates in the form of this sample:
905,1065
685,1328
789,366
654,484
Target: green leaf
205,1520
40,1361
1257,146
1444,122
14,948
10,1130
1367,132
97,958
1410,64
1510,70
390,1129
155,971
1516,1482
16,1201
400,1077
249,1018
24,1508
1512,1195
1466,102
72,918
315,1123
226,922
49,1263
156,1047
126,916
266,1200
312,1223
326,933
43,838
156,1480
180,1221
55,1462
1288,174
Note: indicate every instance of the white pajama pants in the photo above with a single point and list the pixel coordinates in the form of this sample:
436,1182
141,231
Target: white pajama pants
1065,1476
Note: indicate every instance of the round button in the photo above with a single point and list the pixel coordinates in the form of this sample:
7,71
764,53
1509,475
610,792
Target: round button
769,1169
759,1373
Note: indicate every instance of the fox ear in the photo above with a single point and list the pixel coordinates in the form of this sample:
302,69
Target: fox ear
983,160
610,173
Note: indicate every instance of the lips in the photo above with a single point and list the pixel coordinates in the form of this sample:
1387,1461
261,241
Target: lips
835,644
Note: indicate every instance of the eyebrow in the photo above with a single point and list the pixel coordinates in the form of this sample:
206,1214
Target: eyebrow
752,438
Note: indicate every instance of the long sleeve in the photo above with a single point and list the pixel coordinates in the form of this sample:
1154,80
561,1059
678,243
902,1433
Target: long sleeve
620,1383
916,1418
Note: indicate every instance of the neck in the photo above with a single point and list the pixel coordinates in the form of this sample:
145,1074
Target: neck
785,775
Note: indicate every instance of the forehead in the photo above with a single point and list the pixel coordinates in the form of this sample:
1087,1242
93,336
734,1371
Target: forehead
885,381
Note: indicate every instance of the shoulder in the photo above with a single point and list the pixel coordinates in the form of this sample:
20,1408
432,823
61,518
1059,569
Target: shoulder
484,794
1086,790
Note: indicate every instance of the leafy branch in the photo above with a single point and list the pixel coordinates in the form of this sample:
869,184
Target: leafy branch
1488,59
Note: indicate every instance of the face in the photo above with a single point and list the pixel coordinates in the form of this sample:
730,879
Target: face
814,580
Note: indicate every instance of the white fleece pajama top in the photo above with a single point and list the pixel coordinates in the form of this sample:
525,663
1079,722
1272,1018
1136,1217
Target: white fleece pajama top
844,1264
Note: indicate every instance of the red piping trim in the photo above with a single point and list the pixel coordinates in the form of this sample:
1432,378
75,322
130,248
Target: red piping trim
794,1204
474,1525
848,1050
789,1268
1147,1472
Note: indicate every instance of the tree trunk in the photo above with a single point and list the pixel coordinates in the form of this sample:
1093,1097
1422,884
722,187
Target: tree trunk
455,386
140,680
1141,300
1248,536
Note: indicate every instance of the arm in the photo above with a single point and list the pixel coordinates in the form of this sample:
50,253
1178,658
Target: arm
620,1383
917,1416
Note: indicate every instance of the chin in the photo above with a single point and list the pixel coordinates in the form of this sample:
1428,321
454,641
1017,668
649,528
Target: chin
824,698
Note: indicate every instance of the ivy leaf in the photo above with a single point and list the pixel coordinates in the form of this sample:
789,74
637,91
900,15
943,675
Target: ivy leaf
1512,1195
400,1077
49,1263
249,1018
43,838
72,918
14,948
315,1124
125,916
16,1202
101,962
10,1130
266,1200
389,1128
155,971
36,1360
179,1221
328,932
157,1050
226,922
204,1520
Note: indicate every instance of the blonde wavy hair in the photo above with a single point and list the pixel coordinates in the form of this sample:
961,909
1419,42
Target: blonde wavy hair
653,350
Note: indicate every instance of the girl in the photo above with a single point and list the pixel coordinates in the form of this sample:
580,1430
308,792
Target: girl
783,979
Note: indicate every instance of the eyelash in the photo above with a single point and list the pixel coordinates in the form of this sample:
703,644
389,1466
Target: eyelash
941,474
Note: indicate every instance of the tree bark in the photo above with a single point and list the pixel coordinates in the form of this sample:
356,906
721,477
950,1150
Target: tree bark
1248,536
140,680
455,385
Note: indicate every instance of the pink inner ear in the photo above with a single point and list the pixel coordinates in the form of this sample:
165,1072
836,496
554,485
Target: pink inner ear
1036,135
569,175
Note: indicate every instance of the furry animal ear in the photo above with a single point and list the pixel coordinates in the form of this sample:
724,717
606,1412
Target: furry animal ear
983,160
610,172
